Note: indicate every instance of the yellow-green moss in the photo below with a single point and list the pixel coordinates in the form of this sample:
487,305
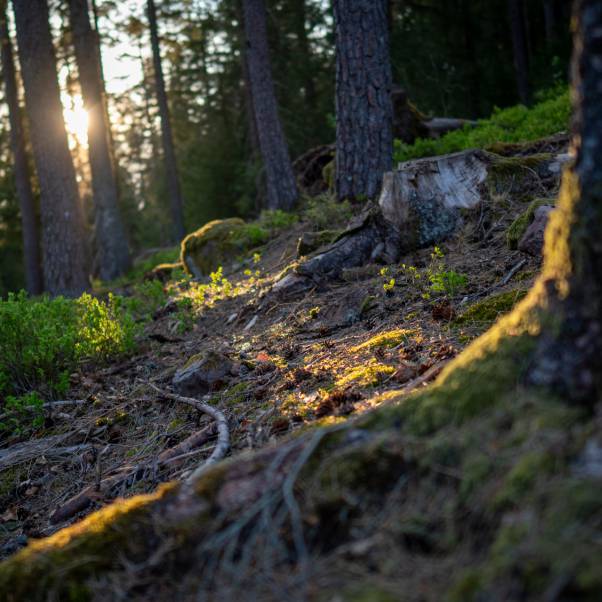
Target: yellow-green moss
59,566
366,375
237,394
203,251
387,340
488,310
519,226
328,173
514,173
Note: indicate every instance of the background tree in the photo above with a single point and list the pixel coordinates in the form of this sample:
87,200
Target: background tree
364,111
29,219
282,190
64,250
111,239
516,16
171,168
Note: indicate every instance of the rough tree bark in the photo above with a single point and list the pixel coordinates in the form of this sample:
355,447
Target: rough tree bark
550,18
520,49
363,98
171,167
281,512
111,239
282,190
63,243
29,220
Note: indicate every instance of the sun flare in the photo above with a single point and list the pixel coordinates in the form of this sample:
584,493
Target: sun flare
76,120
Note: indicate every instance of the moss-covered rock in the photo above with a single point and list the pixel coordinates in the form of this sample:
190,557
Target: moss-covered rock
519,226
488,310
217,242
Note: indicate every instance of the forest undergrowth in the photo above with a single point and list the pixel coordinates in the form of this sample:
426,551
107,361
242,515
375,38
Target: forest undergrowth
476,493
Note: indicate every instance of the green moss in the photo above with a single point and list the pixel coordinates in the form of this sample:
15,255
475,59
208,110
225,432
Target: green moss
488,310
217,242
236,395
467,587
511,125
515,174
59,566
521,479
369,374
328,174
387,340
519,226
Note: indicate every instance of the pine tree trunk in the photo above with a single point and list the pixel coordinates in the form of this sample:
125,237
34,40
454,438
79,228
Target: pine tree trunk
569,357
304,54
282,190
171,167
363,98
63,243
520,49
113,251
549,9
29,222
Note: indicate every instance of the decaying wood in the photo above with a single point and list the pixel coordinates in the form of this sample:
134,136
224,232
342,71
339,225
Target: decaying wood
30,450
421,203
424,199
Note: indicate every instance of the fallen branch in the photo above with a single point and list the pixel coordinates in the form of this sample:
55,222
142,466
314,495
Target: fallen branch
179,452
223,434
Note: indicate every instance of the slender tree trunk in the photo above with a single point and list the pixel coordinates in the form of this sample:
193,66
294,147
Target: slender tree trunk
363,98
520,49
470,57
305,53
63,243
282,190
113,251
171,166
31,242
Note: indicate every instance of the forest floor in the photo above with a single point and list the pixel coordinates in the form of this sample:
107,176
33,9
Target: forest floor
318,359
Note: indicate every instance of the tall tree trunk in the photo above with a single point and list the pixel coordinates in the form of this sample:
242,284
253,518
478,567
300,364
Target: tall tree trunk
113,251
518,32
31,241
305,53
171,166
282,190
569,356
472,65
363,98
63,243
549,9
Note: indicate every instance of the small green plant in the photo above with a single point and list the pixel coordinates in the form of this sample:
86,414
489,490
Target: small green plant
275,220
325,212
442,281
448,283
389,286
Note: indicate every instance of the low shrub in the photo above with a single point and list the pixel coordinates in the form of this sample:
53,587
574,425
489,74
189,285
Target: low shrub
515,124
43,340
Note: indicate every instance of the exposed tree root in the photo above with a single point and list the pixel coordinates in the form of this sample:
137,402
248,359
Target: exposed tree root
103,487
